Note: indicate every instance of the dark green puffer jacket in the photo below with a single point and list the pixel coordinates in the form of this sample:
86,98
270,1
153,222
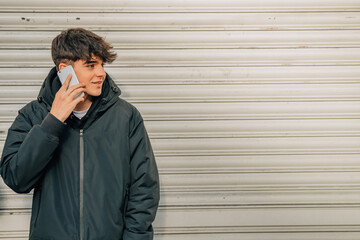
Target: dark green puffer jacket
94,178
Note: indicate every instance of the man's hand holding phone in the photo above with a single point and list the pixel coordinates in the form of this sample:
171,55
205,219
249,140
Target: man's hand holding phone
65,101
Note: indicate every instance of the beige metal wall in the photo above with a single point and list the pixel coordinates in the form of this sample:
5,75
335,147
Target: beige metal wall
253,108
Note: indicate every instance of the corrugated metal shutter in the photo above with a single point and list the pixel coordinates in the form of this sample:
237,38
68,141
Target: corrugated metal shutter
253,108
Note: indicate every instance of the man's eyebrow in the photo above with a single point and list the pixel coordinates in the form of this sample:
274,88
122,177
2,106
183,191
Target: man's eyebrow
93,61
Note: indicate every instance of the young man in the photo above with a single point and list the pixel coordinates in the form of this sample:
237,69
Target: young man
88,159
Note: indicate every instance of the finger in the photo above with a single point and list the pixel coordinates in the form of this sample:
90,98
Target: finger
66,83
76,92
79,99
74,87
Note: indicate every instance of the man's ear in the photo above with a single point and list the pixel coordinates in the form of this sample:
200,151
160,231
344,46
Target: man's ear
62,65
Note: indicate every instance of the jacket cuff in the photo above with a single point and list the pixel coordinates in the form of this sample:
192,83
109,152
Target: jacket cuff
52,125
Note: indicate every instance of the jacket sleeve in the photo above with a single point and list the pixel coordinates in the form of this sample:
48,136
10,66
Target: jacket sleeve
27,151
144,189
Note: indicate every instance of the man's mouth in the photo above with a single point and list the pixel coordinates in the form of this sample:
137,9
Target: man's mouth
97,82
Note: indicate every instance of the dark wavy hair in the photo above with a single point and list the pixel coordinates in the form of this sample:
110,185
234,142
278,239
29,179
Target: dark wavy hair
78,43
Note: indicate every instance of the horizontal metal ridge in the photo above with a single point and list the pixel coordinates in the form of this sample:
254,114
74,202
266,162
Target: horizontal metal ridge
196,39
259,229
236,170
181,21
179,6
257,152
15,234
202,58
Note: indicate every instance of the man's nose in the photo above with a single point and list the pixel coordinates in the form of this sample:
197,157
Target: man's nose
100,72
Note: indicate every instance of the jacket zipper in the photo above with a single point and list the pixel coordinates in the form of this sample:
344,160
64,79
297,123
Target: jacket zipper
81,184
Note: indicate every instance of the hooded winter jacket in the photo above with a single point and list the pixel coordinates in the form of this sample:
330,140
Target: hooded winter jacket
94,178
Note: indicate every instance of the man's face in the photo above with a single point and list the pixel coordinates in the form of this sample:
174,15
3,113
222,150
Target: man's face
92,74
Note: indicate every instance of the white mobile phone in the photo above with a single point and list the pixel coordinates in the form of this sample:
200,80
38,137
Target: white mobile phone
63,73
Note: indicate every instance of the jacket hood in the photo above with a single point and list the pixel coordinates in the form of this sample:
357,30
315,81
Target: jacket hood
109,95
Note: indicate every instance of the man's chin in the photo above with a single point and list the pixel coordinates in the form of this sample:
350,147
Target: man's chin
94,93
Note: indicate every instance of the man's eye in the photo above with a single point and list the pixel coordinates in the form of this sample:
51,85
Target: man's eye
90,66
